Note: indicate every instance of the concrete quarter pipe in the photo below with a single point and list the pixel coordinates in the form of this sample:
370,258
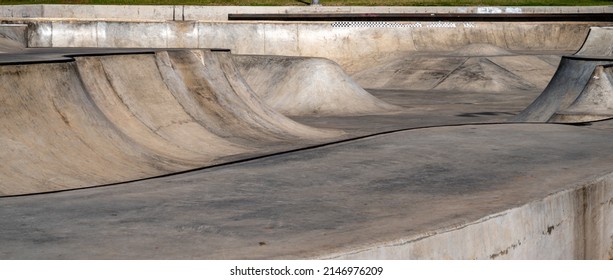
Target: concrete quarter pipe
108,119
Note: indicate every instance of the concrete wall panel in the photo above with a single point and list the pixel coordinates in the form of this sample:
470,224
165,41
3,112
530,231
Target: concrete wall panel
82,34
220,13
571,224
125,34
239,37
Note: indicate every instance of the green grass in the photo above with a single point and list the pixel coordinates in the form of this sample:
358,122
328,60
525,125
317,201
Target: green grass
324,2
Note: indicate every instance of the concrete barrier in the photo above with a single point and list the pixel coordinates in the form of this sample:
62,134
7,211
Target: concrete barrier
186,12
571,224
354,45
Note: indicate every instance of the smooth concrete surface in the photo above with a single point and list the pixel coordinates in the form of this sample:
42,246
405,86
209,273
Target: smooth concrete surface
108,119
487,192
582,87
569,81
297,86
13,37
474,67
354,47
180,155
220,13
598,43
594,103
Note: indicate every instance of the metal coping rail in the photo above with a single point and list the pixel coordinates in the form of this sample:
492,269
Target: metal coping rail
501,17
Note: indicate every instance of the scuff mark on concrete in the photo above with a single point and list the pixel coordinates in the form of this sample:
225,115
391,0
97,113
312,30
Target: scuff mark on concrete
506,250
611,249
550,228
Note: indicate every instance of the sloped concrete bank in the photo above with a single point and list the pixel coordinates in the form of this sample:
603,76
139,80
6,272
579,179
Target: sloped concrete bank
115,118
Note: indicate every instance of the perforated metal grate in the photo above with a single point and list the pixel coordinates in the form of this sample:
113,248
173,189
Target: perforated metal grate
375,24
383,24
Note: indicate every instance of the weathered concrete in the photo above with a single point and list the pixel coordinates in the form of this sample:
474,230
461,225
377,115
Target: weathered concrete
594,103
107,119
355,46
490,191
12,37
217,13
298,86
495,191
598,43
569,81
475,68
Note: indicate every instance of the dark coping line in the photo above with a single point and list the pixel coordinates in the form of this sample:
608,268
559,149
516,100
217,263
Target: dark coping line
66,55
589,17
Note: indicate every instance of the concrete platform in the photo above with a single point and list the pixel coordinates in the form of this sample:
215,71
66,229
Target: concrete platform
486,192
394,142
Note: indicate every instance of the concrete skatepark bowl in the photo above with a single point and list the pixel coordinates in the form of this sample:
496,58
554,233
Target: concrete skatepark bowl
177,134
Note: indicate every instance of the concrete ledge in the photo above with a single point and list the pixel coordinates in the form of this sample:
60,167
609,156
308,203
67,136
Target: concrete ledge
184,12
354,46
575,222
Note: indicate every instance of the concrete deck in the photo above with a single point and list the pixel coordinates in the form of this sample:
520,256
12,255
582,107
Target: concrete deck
486,192
396,143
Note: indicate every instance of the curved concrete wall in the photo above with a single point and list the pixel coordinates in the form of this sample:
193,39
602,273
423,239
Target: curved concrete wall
354,45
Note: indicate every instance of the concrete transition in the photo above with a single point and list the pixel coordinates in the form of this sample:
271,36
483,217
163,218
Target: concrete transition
12,37
595,102
308,86
581,88
598,43
177,135
473,68
137,116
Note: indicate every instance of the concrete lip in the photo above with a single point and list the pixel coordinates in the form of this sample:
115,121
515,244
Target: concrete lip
202,148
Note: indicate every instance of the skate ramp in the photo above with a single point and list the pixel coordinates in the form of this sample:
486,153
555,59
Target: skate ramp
594,103
481,74
8,45
107,119
471,68
569,81
12,37
297,86
599,42
213,90
581,89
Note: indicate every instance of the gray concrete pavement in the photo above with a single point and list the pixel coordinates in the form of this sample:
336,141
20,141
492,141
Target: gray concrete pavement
490,191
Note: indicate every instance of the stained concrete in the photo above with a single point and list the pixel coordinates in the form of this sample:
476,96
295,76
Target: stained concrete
298,86
137,115
181,155
353,46
220,13
499,191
